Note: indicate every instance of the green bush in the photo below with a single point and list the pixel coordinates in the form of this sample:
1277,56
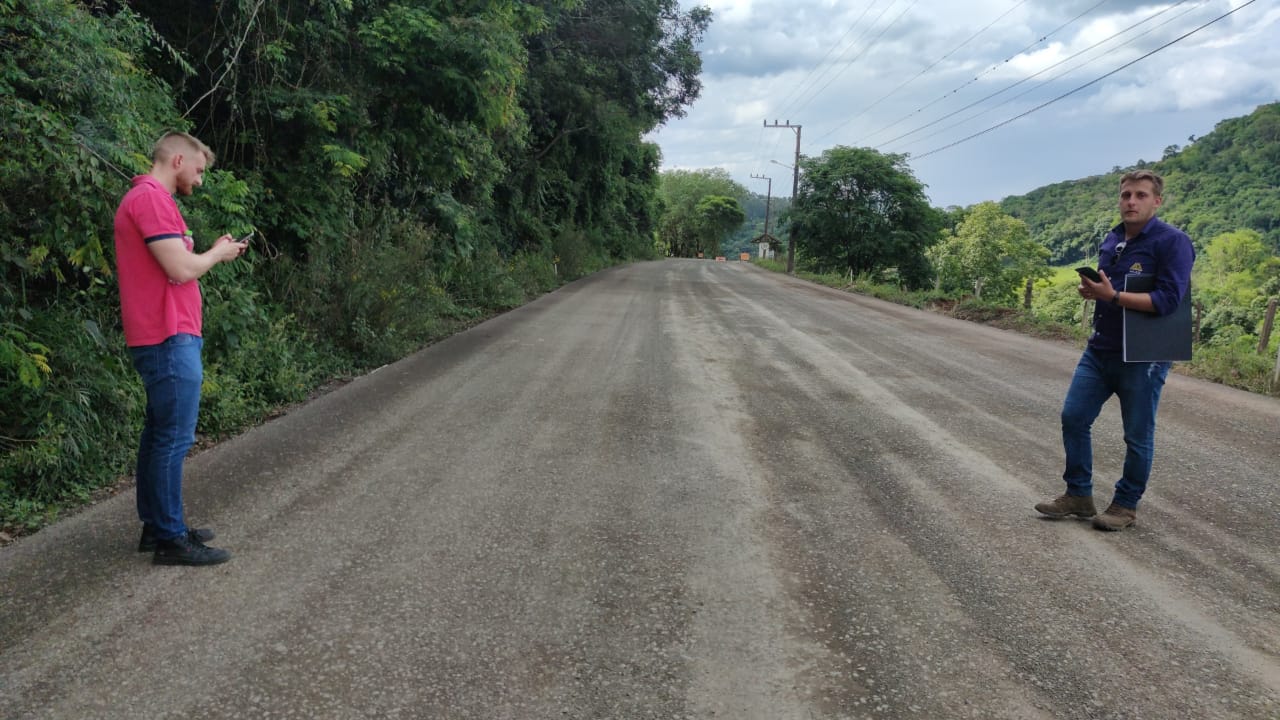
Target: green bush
244,381
1235,362
1056,298
72,432
577,255
536,272
377,295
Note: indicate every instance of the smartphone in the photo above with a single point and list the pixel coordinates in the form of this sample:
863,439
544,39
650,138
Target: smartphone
1089,273
246,238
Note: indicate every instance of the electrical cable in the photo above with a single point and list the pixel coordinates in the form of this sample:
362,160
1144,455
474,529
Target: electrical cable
858,57
1043,71
989,70
799,88
923,72
1082,87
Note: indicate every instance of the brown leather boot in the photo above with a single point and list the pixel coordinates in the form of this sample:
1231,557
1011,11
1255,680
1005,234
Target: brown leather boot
1115,518
1065,505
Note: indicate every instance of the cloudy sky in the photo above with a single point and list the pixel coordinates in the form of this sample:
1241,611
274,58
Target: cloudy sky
917,76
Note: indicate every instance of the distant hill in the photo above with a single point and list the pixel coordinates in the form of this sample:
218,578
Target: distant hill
1226,180
753,205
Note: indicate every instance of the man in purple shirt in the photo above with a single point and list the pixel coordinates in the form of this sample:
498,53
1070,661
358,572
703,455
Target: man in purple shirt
1140,245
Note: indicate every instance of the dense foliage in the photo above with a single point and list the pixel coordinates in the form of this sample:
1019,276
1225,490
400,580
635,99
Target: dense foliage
407,166
764,214
989,254
1224,190
862,211
1225,181
699,208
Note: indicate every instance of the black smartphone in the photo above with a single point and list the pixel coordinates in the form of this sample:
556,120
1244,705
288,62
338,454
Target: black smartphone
1089,273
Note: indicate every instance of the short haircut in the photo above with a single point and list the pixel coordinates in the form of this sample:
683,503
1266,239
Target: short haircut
1157,182
174,143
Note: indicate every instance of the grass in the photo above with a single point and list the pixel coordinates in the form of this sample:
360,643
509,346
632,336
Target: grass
1237,365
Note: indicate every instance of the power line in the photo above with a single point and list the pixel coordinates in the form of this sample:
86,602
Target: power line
1043,71
1082,87
990,69
866,49
932,65
806,80
800,87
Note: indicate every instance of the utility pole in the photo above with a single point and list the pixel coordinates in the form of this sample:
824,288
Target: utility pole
795,191
768,198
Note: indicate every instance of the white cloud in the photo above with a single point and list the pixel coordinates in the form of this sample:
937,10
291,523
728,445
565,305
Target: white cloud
850,77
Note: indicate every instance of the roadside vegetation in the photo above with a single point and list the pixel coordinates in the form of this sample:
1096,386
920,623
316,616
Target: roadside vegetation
1231,358
409,169
860,223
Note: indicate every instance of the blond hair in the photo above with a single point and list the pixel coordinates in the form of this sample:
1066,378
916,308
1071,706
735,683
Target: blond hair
1157,182
175,143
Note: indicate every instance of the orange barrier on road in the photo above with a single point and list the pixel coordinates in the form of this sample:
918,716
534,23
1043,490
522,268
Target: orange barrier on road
745,257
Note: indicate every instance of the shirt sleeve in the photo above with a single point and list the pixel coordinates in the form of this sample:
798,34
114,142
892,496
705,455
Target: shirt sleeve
1173,278
157,217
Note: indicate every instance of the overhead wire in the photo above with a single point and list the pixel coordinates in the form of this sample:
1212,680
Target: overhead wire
1082,87
800,87
866,48
925,71
979,76
864,51
804,81
1043,71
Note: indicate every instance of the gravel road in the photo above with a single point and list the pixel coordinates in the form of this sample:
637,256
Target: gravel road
679,489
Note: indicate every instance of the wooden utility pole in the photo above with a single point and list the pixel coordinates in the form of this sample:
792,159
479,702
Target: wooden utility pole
768,198
795,191
1267,322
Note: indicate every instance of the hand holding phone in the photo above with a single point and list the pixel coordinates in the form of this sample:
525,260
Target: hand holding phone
246,238
1090,273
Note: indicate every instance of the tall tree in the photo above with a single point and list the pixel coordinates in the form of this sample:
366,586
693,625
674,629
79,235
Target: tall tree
682,226
602,74
717,216
990,254
863,211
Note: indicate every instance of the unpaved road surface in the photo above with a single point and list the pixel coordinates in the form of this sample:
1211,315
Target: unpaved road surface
679,489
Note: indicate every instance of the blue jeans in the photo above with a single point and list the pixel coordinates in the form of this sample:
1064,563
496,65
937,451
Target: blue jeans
1098,376
172,374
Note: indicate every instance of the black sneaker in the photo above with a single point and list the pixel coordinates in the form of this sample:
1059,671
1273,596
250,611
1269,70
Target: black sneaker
186,550
147,543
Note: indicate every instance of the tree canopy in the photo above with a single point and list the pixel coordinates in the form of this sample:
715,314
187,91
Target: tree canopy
863,211
989,254
407,166
690,224
1224,181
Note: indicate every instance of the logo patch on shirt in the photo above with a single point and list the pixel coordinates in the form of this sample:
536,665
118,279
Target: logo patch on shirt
1135,268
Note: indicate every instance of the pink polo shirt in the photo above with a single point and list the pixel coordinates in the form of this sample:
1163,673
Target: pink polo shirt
153,307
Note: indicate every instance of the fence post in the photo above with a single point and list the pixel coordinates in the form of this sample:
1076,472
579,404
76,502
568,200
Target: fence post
1026,296
1195,330
1275,379
1266,327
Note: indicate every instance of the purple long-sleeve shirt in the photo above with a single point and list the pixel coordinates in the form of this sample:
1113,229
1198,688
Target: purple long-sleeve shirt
1161,250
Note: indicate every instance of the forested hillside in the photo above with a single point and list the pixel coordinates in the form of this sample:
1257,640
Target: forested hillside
1225,181
408,167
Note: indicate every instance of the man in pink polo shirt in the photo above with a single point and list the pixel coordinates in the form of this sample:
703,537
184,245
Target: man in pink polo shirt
158,270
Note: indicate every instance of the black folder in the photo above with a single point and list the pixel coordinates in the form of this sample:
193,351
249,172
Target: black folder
1156,338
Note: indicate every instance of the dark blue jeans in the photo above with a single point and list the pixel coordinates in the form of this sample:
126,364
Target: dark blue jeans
1098,376
172,374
